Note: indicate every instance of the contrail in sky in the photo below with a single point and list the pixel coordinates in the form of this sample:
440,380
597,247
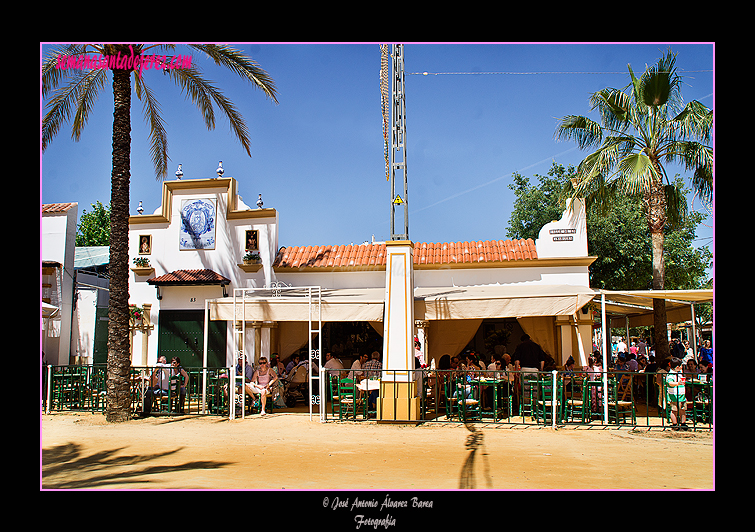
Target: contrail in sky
491,181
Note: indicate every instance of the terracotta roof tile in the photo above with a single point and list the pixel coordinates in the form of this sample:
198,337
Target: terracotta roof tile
425,253
190,277
57,207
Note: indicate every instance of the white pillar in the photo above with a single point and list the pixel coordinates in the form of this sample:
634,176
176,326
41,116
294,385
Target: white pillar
398,323
400,400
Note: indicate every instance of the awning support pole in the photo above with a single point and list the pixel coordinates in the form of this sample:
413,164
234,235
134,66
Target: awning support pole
582,357
694,332
605,355
204,356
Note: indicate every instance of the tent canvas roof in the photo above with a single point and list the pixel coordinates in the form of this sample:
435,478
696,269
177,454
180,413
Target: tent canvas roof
637,305
439,303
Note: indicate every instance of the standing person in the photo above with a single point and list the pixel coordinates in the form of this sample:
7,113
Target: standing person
676,395
642,348
263,382
706,353
660,379
621,347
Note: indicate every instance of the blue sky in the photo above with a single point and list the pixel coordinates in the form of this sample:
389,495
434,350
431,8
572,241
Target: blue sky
317,156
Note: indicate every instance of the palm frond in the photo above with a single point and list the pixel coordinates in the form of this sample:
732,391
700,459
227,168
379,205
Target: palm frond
660,83
238,62
614,108
636,173
695,120
584,131
51,74
202,92
676,204
157,134
91,85
78,97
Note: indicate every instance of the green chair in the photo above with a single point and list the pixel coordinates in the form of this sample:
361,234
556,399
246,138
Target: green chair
452,405
575,399
546,396
468,405
349,399
702,405
592,395
335,400
97,390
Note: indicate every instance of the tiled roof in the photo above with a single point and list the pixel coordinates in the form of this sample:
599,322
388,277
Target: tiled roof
190,277
57,207
425,253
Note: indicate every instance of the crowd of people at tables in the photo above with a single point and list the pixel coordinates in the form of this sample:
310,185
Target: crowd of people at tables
267,379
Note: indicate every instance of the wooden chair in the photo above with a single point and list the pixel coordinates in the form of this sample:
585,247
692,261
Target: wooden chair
618,408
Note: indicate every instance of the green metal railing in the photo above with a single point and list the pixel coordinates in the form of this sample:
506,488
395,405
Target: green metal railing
83,388
499,397
514,397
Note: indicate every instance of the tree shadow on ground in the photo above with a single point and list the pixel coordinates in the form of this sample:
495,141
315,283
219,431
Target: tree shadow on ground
66,467
475,442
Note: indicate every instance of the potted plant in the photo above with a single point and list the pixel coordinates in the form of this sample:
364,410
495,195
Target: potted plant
252,257
141,262
135,314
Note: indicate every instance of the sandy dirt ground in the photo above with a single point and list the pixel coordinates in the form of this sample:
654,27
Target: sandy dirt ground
287,451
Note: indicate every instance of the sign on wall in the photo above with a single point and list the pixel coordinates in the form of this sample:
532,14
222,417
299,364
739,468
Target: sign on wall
198,222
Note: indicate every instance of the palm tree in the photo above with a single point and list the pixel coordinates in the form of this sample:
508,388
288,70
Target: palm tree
74,91
641,130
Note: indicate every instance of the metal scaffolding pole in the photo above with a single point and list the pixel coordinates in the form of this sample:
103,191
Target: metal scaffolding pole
392,74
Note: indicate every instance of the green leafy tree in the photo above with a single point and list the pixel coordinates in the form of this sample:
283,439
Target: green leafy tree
94,227
70,93
618,237
641,130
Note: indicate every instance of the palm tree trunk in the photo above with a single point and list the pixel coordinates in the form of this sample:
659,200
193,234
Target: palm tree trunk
659,305
656,206
119,360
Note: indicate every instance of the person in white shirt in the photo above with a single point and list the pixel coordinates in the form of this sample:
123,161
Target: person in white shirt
621,347
356,367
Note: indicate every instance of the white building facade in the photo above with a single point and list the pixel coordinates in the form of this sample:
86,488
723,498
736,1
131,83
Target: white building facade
196,242
58,246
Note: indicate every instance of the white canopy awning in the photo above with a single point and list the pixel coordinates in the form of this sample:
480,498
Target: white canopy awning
343,304
441,303
637,305
499,301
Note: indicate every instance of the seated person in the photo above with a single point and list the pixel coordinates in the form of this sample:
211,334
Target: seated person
292,363
159,384
263,382
177,369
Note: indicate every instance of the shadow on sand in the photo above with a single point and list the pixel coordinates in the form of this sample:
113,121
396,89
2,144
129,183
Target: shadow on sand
475,442
65,467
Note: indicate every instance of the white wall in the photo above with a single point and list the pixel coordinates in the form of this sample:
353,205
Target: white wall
166,257
58,237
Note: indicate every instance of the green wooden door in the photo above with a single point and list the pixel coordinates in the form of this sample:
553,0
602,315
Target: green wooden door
100,336
181,334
